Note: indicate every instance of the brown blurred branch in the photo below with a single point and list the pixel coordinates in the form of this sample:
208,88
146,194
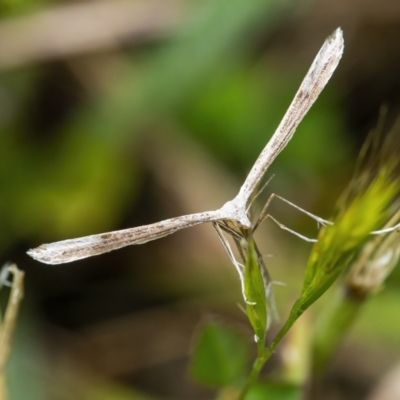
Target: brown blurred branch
75,29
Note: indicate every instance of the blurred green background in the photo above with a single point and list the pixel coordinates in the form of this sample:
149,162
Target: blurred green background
120,113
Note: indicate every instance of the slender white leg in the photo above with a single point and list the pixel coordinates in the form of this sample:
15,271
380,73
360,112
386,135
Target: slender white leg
238,266
285,228
264,215
259,192
386,230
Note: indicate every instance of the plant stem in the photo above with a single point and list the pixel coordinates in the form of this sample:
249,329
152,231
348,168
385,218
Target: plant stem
295,361
264,356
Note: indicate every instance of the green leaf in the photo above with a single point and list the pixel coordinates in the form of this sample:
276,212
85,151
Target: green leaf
255,292
220,356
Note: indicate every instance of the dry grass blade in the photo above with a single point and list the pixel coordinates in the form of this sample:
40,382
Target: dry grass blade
84,27
9,322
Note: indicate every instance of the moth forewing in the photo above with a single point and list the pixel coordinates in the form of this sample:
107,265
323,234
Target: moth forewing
315,80
75,249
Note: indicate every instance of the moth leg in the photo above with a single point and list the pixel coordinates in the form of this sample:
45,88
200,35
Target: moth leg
269,292
387,230
285,228
254,198
390,229
237,238
227,247
238,266
234,233
263,215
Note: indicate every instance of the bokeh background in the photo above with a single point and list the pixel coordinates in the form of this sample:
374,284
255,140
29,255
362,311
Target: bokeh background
120,113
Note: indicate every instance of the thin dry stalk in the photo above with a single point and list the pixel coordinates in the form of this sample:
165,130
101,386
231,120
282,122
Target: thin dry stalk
9,322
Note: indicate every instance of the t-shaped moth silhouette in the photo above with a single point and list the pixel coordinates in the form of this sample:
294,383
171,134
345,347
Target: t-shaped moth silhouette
233,215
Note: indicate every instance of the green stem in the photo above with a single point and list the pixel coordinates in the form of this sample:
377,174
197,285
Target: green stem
264,356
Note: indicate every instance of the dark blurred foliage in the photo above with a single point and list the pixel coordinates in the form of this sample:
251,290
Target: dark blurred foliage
120,113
